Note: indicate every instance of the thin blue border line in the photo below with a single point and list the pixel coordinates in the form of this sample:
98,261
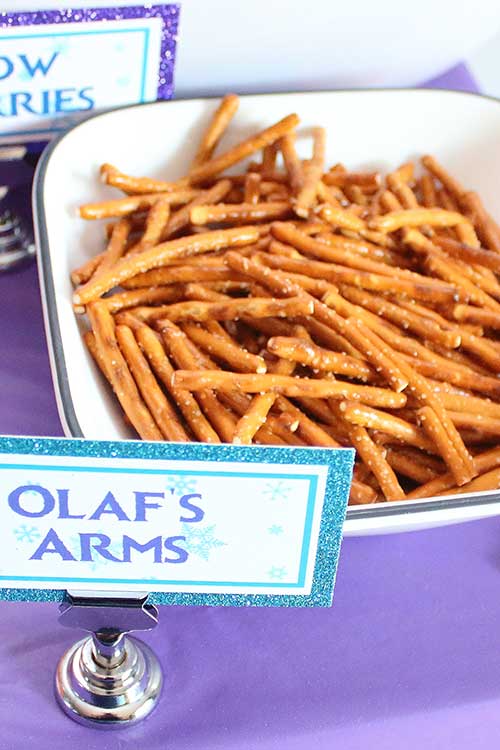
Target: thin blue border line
174,472
149,582
306,534
145,31
145,53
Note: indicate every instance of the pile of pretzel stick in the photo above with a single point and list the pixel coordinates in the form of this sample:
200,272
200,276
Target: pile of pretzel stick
295,304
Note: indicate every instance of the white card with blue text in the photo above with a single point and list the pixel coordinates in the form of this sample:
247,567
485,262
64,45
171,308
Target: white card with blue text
59,66
190,523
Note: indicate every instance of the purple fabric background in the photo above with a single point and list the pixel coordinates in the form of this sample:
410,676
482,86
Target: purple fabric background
407,657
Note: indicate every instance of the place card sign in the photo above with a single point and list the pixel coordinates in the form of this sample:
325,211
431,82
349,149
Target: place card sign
189,523
59,66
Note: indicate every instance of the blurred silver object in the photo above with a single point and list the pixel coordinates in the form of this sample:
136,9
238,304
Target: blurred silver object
16,235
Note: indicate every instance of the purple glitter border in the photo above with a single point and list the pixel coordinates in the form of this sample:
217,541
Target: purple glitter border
169,15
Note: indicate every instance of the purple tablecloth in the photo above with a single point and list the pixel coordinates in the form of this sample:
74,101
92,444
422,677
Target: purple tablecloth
407,657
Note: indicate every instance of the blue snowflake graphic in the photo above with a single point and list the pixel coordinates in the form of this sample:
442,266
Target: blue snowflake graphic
275,530
181,485
25,533
201,541
277,573
276,490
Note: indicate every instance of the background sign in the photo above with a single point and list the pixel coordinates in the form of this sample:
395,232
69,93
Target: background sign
58,66
192,523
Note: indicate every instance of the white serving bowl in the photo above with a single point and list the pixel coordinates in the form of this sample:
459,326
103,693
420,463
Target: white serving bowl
366,129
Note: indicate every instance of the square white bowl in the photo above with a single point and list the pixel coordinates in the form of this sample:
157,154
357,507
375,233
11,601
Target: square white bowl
366,130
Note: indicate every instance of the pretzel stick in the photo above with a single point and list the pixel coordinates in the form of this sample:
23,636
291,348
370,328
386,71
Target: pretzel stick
84,272
373,457
434,217
96,353
375,350
311,432
119,374
483,462
364,247
458,401
405,319
469,314
288,386
406,172
402,191
340,253
225,349
329,339
312,174
259,408
363,279
486,424
389,202
155,224
110,175
161,255
213,167
237,402
186,403
218,125
252,188
429,198
221,419
408,467
465,232
423,392
161,409
228,213
181,274
488,481
307,353
269,157
370,180
373,419
437,433
328,195
440,369
181,217
144,296
444,177
115,249
470,254
125,206
484,224
281,284
343,218
235,308
447,271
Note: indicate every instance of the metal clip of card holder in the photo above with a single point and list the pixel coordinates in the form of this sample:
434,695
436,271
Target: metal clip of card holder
108,679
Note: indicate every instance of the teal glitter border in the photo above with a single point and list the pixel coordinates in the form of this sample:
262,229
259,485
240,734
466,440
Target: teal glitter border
338,460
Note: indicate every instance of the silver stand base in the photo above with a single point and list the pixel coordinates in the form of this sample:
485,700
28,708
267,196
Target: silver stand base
108,682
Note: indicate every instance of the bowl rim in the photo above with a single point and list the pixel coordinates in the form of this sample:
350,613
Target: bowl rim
59,372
